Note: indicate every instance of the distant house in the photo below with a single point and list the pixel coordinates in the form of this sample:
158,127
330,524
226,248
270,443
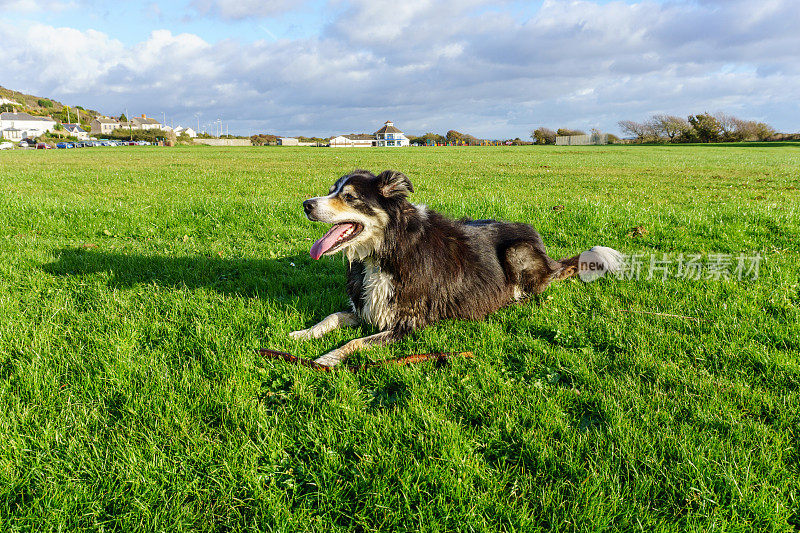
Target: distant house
76,131
388,135
105,125
288,141
354,140
20,125
188,131
145,123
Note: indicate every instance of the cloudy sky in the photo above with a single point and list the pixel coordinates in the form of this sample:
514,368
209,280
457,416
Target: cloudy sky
494,69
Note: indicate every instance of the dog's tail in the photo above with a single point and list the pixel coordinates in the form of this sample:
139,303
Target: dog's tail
591,264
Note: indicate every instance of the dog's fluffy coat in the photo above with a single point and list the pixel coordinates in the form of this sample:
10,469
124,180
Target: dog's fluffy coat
409,266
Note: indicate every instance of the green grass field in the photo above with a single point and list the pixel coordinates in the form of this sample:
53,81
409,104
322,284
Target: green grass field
136,283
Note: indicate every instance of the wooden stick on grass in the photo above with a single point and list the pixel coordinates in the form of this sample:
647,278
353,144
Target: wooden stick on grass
439,357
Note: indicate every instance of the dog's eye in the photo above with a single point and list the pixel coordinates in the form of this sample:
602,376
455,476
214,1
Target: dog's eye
349,197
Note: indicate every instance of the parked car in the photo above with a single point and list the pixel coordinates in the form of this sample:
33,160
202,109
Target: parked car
23,144
61,145
70,145
43,146
6,146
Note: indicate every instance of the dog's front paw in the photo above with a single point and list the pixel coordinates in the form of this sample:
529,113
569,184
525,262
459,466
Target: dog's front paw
332,358
302,334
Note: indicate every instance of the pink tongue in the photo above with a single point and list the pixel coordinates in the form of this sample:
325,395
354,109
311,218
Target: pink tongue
328,240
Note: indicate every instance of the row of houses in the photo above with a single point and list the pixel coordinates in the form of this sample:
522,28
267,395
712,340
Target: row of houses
388,135
106,125
15,126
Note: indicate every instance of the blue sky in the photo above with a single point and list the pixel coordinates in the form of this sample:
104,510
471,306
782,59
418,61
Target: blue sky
493,69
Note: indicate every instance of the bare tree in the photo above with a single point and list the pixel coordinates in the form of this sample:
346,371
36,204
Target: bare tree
669,126
637,129
728,126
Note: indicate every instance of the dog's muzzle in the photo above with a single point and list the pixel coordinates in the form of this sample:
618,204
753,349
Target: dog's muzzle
308,207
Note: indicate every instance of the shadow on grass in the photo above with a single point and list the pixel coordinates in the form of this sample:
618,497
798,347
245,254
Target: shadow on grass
296,279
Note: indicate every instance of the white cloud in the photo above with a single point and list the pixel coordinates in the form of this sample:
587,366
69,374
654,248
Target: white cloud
436,65
36,5
242,9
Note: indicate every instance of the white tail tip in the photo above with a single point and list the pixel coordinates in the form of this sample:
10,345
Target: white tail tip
595,262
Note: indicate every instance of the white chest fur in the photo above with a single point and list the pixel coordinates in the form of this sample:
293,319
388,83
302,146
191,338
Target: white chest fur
378,290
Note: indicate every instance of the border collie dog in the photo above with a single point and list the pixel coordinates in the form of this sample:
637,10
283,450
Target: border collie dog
409,266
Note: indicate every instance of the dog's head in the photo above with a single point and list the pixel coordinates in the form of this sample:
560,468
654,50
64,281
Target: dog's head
359,206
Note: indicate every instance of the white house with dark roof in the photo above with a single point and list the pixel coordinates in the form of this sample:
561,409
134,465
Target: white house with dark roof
20,125
353,140
388,135
145,123
188,131
76,131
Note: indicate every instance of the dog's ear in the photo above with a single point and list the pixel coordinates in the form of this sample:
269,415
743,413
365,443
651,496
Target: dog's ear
392,183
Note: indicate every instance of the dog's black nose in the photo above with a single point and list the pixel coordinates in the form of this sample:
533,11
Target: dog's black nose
308,206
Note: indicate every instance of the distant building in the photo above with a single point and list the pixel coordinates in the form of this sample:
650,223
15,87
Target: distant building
355,140
388,135
188,131
145,123
76,131
20,125
104,125
288,141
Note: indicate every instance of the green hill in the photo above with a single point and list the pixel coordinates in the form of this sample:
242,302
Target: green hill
41,106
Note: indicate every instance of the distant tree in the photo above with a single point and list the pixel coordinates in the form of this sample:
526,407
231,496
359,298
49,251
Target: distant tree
639,130
153,135
264,139
613,139
434,137
569,132
453,136
727,127
6,108
43,102
543,136
669,127
763,131
706,127
66,115
123,118
750,130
